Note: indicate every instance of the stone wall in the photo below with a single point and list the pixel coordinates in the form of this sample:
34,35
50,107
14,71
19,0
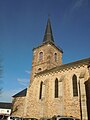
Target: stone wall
18,106
49,106
48,60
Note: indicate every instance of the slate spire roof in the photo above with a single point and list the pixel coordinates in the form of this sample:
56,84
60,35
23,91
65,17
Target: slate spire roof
48,36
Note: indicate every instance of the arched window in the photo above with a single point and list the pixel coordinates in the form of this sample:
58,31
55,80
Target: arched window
75,88
40,94
56,88
55,57
40,56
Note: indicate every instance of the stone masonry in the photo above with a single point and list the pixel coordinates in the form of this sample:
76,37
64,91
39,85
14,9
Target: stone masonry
47,69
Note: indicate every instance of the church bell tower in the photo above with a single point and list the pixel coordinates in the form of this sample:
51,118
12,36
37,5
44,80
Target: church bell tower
47,55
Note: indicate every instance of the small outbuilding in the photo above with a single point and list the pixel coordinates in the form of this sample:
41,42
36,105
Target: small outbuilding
5,110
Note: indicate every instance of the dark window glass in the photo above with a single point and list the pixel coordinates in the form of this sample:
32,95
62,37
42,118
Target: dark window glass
56,88
39,69
75,88
55,57
40,56
40,95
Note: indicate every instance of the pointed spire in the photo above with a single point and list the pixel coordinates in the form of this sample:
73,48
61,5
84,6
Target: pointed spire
48,36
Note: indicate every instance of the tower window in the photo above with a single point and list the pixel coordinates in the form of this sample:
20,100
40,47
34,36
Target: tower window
40,56
40,95
56,88
39,69
55,57
75,88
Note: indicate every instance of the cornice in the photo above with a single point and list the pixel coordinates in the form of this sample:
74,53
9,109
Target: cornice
51,43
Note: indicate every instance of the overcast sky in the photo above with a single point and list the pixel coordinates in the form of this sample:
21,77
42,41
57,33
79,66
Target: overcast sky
22,27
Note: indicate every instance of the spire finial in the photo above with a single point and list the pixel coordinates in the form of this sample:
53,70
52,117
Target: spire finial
48,36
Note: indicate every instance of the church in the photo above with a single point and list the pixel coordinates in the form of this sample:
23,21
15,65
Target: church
55,88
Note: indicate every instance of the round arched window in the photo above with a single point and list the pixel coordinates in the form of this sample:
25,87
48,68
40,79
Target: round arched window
40,56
